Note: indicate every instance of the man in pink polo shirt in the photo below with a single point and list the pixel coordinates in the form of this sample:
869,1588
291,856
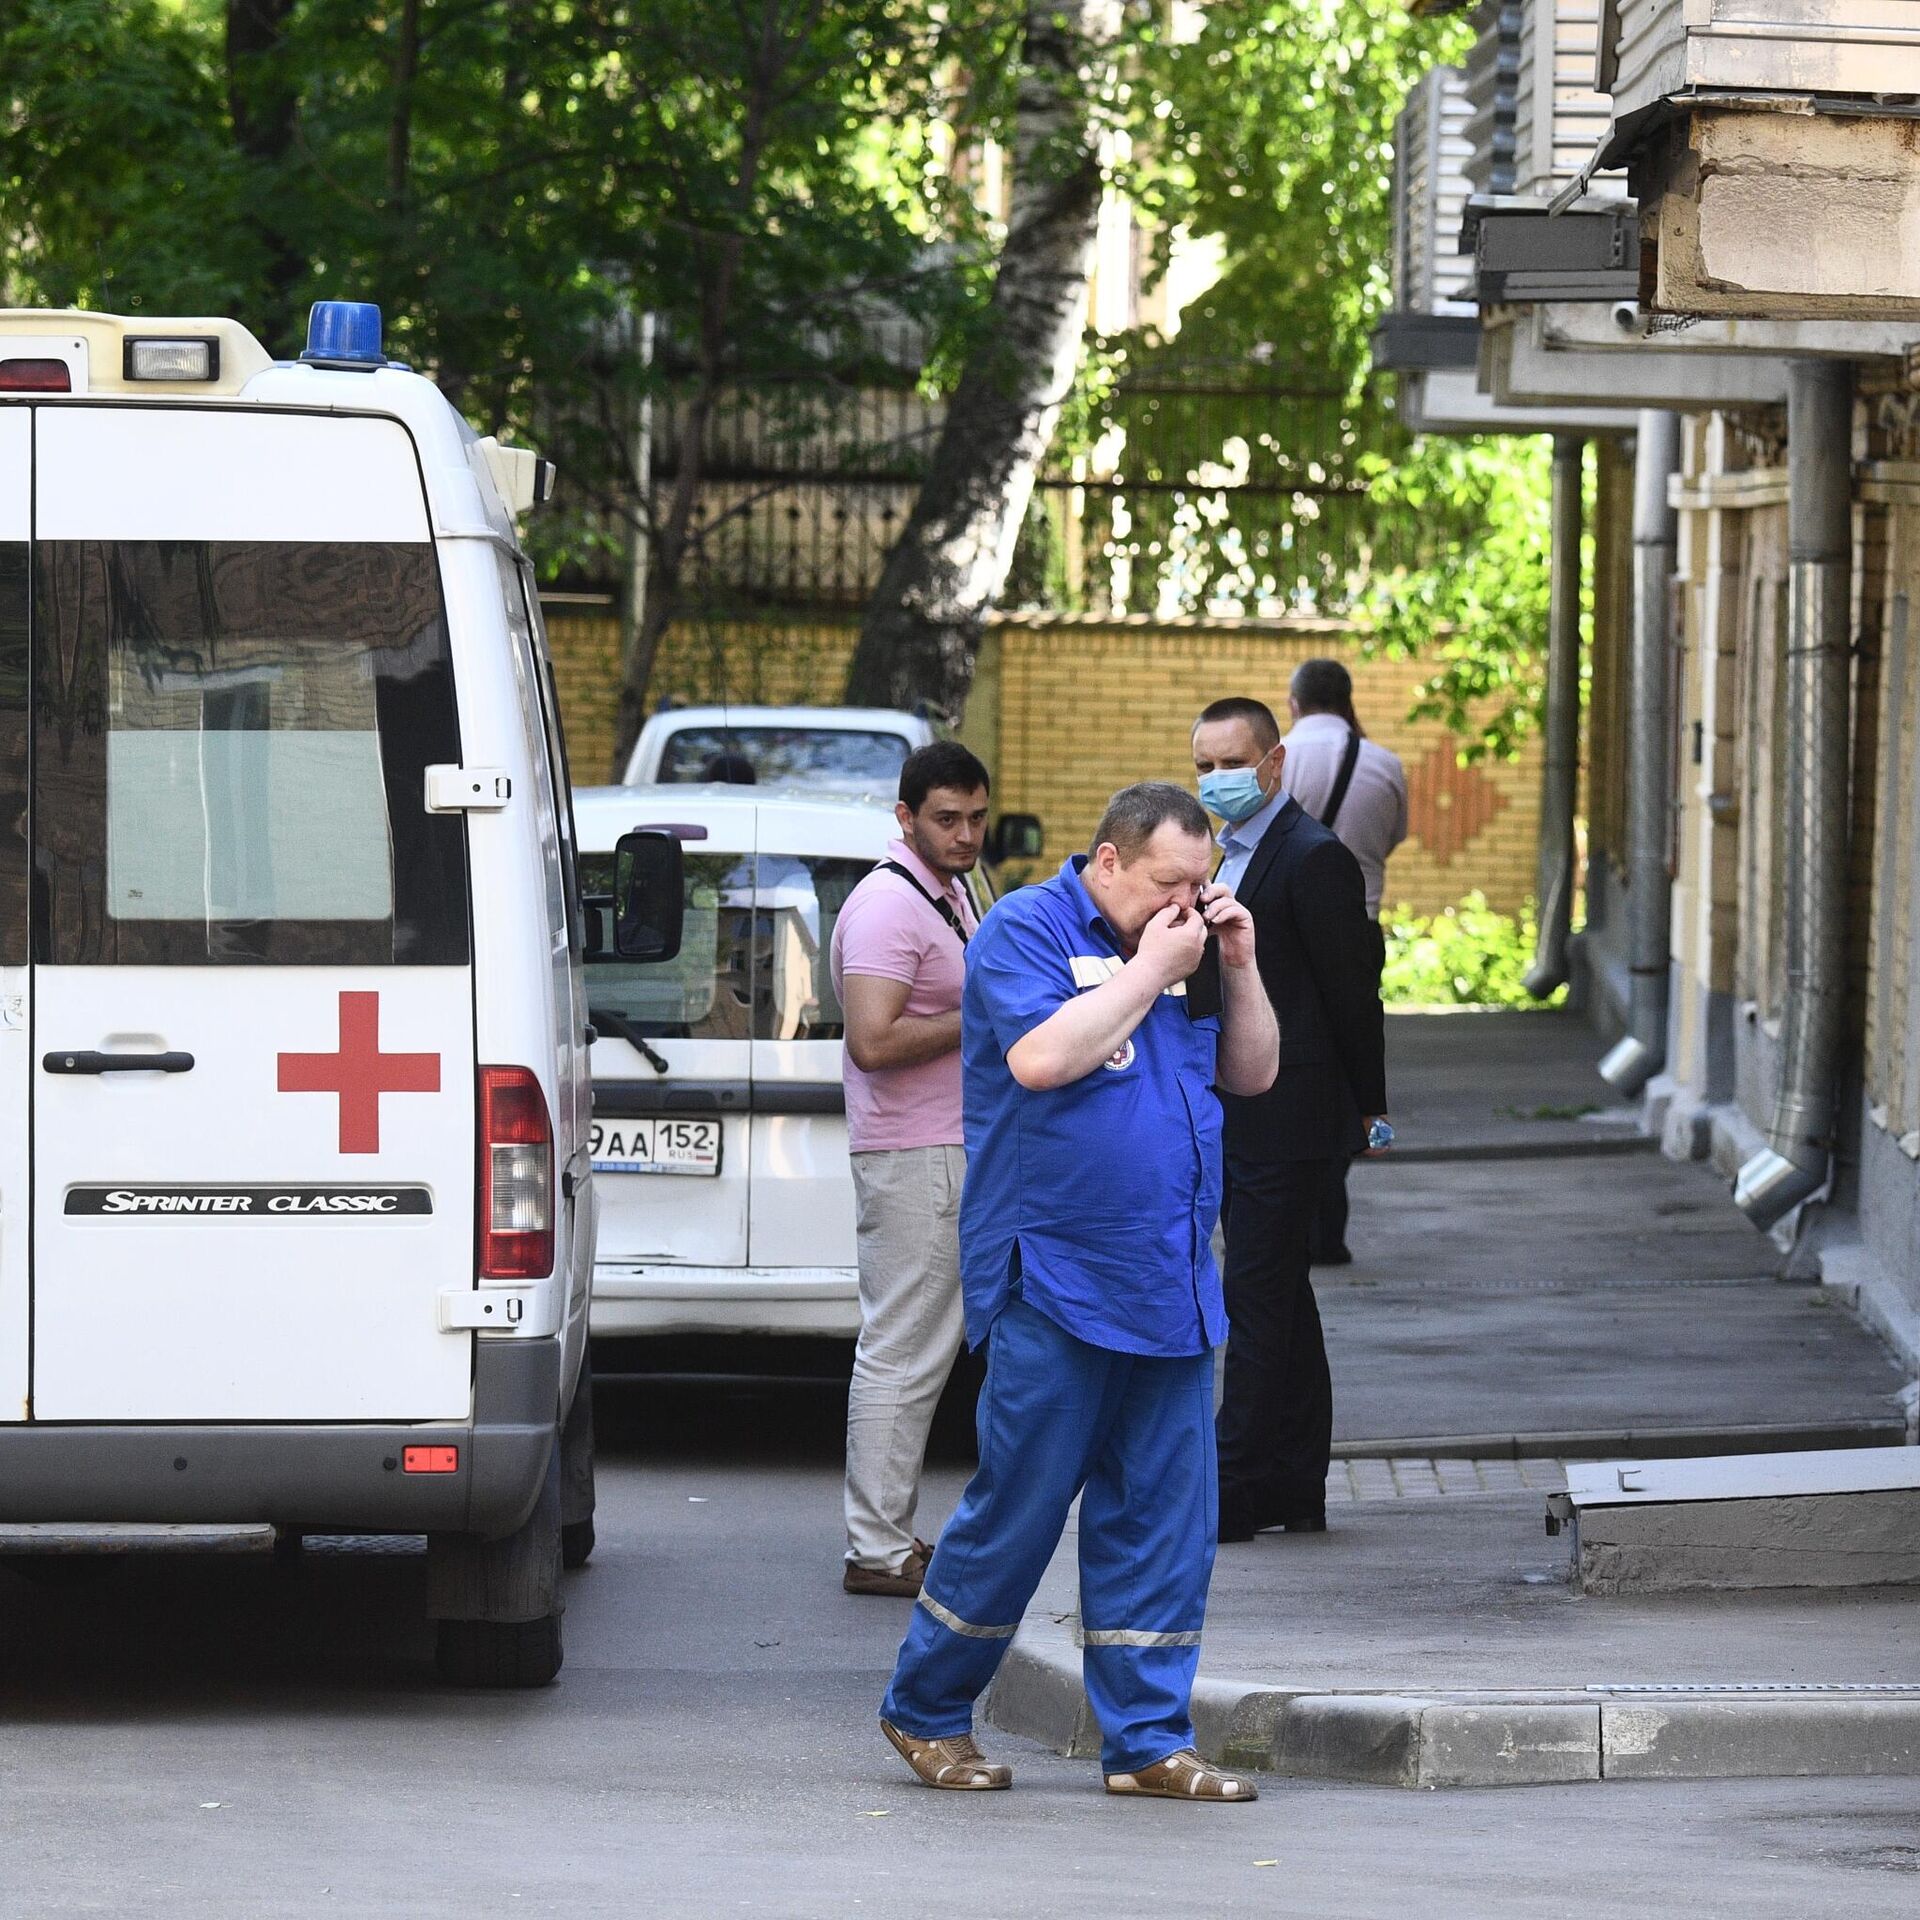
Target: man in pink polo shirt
899,963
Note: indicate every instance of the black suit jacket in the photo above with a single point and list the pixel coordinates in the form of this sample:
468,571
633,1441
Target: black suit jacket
1319,959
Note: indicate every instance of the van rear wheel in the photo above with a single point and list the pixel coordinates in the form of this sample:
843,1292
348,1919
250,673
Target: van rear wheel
492,1653
497,1602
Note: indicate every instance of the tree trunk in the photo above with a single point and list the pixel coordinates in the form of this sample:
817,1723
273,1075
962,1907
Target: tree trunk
923,624
264,104
406,69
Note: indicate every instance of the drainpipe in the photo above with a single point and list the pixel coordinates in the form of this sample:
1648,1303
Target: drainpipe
1795,1165
1560,776
1656,541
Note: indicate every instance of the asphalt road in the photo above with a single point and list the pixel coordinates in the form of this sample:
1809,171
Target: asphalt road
208,1738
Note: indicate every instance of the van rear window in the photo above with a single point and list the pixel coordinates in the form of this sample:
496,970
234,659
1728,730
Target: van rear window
815,756
231,745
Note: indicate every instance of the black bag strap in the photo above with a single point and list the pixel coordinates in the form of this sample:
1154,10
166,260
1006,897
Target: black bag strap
1348,762
944,908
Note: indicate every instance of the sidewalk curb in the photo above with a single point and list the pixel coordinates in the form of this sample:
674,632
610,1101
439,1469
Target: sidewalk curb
1523,1149
1632,1443
1431,1739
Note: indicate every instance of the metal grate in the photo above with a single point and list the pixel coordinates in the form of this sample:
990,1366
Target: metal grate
1407,1477
1758,1686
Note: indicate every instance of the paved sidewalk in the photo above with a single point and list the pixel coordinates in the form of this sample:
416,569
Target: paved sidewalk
1469,1084
1503,1314
1567,1303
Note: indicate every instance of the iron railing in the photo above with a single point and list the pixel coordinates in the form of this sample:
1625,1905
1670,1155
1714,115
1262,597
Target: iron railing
1177,486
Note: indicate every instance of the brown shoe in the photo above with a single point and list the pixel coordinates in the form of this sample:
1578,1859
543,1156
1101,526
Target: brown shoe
955,1764
1184,1776
903,1585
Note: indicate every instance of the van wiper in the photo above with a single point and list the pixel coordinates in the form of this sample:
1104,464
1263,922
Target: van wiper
618,1023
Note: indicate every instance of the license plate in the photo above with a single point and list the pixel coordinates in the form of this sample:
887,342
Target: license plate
655,1146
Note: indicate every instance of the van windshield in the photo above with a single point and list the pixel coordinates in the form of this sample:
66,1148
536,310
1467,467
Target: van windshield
810,756
754,951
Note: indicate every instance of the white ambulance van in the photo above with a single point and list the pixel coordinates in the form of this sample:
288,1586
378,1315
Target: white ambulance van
296,1207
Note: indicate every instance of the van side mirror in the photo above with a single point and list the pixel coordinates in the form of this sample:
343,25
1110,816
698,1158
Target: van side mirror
649,895
1016,836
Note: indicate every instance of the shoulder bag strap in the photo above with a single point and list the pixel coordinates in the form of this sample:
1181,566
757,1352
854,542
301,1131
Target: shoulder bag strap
944,908
1337,797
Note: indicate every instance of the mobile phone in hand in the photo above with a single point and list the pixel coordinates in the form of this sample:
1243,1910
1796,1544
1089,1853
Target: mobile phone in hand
1203,983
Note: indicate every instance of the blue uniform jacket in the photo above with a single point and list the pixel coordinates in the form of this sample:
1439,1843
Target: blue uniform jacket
1095,1202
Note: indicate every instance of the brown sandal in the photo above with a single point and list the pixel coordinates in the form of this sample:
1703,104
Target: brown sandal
1184,1776
955,1763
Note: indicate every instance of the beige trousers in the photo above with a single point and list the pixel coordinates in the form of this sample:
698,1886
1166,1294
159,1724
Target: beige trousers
911,1326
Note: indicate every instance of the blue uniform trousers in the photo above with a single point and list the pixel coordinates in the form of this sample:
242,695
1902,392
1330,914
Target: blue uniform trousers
1133,1436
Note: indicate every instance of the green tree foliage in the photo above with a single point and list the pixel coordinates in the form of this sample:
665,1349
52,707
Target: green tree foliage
1272,132
516,182
1273,129
1473,605
119,185
187,156
508,178
1468,956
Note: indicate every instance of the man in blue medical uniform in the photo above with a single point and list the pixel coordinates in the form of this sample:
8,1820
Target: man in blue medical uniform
1092,1051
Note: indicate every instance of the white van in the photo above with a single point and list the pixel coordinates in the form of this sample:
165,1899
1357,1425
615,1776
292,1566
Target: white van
719,1123
296,1209
848,749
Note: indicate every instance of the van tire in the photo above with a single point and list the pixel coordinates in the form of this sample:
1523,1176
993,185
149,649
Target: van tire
497,1653
498,1602
576,1475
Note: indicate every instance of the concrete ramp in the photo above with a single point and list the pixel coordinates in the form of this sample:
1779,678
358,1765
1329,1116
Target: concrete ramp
1843,1518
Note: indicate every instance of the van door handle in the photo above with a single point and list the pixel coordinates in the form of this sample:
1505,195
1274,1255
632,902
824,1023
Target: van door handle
118,1063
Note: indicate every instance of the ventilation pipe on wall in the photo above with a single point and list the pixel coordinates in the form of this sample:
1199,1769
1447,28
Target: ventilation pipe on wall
1794,1166
1559,779
1656,536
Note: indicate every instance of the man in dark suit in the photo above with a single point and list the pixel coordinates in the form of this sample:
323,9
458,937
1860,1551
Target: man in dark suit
1317,953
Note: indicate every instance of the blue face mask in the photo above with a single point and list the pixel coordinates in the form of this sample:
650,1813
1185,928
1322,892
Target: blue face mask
1232,792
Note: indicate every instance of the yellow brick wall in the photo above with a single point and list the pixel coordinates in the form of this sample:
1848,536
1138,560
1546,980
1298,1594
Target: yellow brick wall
586,675
1066,708
1086,705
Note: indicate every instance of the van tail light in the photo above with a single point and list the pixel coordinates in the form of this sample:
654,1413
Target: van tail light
516,1176
35,376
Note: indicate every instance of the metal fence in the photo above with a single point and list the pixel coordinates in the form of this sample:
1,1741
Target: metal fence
1175,486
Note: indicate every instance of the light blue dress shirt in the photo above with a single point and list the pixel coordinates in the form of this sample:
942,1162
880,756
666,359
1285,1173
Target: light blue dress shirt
1237,843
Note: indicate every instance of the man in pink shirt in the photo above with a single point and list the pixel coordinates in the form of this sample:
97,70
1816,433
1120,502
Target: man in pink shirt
899,963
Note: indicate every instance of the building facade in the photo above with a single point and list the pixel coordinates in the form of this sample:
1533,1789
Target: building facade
1723,249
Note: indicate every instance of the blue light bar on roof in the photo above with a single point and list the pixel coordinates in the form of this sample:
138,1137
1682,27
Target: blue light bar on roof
344,334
